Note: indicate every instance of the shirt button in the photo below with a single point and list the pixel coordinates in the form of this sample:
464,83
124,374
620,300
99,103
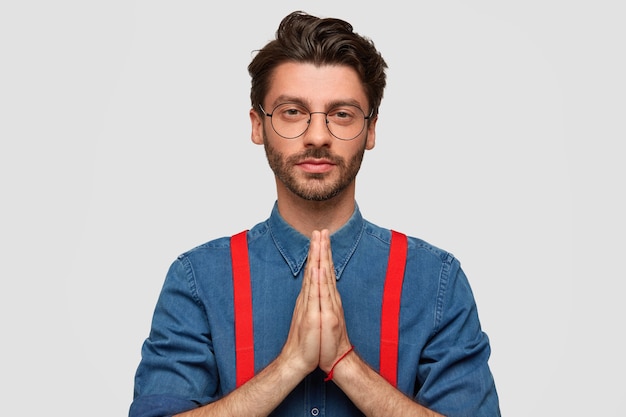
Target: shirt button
315,411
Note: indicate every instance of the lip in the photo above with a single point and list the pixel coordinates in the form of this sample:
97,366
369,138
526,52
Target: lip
315,166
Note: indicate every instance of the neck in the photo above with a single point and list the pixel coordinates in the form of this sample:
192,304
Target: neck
306,216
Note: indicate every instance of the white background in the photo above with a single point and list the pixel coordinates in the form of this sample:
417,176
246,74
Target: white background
125,141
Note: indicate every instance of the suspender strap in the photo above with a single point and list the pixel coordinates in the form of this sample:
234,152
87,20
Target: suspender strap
390,315
242,288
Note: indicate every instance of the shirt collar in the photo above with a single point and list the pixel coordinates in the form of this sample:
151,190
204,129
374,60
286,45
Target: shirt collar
294,246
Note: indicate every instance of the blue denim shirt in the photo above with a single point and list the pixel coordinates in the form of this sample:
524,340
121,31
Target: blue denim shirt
189,357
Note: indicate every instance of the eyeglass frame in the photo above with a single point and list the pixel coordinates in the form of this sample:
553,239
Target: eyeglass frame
311,113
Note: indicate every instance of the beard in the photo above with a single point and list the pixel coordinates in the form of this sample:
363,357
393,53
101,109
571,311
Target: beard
313,187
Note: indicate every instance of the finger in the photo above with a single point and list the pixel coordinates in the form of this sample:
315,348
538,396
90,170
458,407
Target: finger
326,263
312,275
312,311
328,289
312,261
326,257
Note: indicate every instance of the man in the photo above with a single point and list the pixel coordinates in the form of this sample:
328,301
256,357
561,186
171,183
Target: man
315,311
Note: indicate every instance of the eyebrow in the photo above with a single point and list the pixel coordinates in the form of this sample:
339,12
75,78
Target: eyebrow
283,98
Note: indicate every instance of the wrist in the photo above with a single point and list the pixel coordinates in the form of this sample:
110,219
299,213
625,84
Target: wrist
330,374
294,365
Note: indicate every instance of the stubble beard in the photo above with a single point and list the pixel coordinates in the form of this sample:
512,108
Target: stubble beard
313,187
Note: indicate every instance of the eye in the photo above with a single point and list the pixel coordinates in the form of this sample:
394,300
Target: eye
291,112
344,115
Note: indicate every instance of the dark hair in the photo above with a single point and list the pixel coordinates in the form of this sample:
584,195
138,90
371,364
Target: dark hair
321,41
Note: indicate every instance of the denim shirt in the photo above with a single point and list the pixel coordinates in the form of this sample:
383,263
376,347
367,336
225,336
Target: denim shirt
189,357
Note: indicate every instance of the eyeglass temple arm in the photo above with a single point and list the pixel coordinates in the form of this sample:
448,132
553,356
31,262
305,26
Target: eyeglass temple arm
264,112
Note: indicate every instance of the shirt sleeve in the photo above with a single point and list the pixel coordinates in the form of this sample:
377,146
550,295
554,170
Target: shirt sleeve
177,371
454,374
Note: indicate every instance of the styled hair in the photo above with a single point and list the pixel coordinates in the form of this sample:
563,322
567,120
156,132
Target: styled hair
303,38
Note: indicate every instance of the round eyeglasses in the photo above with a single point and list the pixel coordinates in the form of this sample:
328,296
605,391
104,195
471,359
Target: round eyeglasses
291,120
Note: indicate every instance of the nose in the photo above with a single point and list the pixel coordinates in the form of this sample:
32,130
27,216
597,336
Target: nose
317,133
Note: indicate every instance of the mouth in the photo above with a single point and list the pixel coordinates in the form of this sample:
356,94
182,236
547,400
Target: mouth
315,166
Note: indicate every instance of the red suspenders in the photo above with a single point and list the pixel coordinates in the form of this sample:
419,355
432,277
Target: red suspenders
390,314
244,335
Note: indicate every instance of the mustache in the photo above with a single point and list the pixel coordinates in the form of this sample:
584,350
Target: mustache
317,153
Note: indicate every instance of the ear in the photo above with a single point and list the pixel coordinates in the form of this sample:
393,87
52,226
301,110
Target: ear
257,127
371,134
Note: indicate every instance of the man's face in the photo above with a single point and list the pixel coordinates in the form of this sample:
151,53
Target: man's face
315,166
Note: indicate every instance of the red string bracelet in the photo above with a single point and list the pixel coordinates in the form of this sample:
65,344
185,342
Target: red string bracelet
330,373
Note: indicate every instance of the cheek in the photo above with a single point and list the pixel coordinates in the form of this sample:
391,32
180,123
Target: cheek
355,147
284,146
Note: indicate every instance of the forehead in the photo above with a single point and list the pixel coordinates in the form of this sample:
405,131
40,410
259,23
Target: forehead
315,86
